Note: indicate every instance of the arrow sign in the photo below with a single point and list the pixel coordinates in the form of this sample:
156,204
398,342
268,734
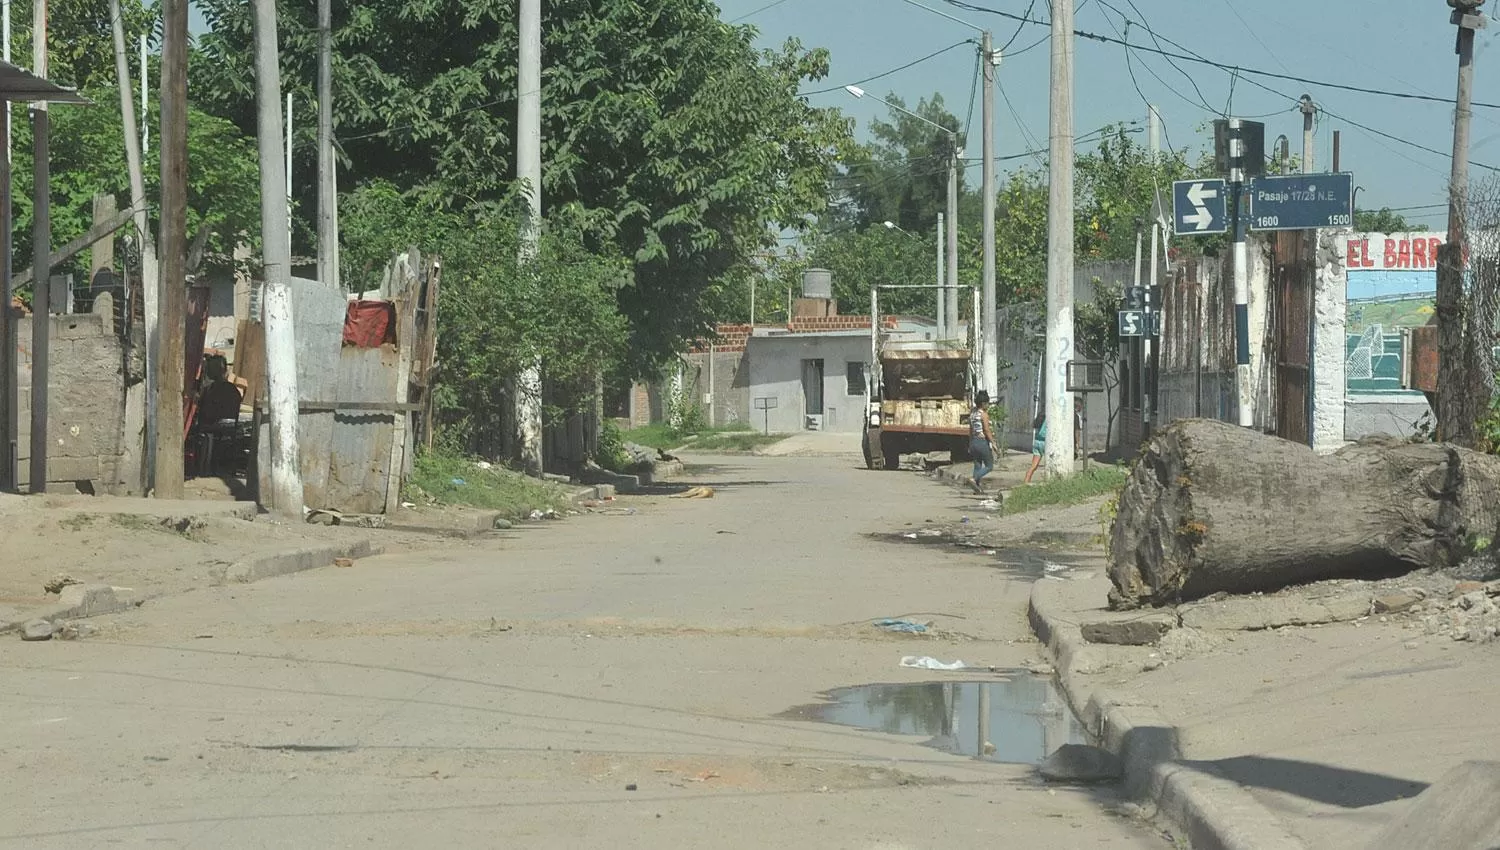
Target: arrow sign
1198,208
1132,323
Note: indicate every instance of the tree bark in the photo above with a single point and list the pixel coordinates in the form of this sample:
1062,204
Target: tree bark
1211,507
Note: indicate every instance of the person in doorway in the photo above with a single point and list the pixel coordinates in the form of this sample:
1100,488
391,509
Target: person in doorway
1038,444
981,439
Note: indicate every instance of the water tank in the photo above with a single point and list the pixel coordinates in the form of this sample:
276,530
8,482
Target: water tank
817,283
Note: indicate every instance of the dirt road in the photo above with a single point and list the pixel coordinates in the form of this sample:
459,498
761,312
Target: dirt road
627,680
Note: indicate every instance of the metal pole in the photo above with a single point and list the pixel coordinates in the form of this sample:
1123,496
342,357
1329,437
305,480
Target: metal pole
1059,344
328,198
276,302
1138,344
134,145
712,421
41,277
289,153
950,296
1246,387
942,294
529,171
1148,362
173,254
989,59
1337,162
1309,109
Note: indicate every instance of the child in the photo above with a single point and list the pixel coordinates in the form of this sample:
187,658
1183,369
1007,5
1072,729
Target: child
981,439
1038,444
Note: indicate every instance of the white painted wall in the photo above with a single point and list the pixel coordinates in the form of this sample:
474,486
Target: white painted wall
1329,323
775,364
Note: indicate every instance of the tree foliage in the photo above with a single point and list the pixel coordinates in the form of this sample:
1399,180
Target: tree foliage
80,40
902,175
683,145
1383,220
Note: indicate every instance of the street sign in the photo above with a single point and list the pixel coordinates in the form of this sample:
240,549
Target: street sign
1239,147
1156,324
1199,207
1302,202
1133,298
1132,323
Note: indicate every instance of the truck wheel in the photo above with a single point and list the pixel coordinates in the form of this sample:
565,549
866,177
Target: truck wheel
864,445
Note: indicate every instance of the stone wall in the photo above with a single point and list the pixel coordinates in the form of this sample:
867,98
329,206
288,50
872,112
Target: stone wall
94,428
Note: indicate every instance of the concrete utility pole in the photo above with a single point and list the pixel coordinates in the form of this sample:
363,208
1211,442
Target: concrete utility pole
1458,409
173,261
943,322
989,60
950,296
10,401
134,145
145,95
1309,112
1059,348
328,191
41,259
528,398
1148,363
281,345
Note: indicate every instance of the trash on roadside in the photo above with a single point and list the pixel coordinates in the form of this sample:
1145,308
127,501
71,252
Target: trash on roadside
931,532
408,505
989,505
906,626
483,464
927,662
912,535
457,482
696,493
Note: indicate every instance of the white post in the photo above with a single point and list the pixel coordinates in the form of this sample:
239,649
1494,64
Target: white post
712,422
145,95
134,146
529,171
942,294
1059,347
1244,374
1153,124
950,302
289,154
988,61
276,302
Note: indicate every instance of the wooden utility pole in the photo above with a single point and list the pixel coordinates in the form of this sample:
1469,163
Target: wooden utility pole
172,295
41,249
1457,406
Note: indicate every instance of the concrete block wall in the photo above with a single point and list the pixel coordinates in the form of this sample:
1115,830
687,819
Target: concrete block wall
88,436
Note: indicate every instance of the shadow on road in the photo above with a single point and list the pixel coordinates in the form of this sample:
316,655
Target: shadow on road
1334,786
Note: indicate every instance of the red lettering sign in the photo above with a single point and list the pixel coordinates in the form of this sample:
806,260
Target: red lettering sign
1364,251
1419,254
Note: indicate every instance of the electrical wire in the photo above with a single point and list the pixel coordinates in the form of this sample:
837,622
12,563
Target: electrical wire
884,74
1017,34
765,8
1202,60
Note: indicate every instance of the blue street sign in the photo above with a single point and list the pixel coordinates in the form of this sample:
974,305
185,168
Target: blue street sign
1302,202
1132,323
1199,207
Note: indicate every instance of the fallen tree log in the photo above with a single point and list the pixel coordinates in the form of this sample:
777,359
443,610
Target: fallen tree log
1210,507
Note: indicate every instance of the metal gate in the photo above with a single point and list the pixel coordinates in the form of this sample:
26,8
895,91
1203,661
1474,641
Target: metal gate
1293,327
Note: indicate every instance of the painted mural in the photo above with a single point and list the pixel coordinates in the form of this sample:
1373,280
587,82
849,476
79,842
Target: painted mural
1392,280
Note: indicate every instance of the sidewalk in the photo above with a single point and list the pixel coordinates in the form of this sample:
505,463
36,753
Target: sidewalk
1257,734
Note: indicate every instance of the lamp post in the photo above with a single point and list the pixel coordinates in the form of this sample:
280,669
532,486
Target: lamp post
949,315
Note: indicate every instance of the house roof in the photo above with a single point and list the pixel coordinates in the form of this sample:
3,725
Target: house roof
20,85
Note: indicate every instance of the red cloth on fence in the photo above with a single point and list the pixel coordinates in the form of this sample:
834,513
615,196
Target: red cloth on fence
370,324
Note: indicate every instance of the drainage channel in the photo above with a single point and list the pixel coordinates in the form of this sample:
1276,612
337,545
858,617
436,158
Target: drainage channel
1019,719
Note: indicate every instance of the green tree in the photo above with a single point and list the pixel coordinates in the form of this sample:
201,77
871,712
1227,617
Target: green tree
686,146
1383,220
88,158
1116,183
80,40
902,175
860,259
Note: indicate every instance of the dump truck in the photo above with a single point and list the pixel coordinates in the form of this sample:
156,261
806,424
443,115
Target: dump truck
919,402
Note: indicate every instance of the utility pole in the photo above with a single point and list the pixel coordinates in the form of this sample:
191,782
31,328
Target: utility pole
1148,361
1309,111
528,397
281,346
172,299
1153,130
41,259
328,191
1059,345
289,154
10,437
942,293
950,296
989,60
145,94
134,145
1245,375
1457,405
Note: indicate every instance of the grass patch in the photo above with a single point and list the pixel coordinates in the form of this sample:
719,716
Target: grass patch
1097,481
730,438
453,480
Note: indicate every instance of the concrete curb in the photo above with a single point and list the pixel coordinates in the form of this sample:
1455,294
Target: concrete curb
1214,812
77,602
293,561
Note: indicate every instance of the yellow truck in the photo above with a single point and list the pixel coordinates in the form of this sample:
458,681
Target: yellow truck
919,402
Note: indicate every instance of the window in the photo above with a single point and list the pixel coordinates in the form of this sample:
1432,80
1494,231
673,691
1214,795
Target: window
855,373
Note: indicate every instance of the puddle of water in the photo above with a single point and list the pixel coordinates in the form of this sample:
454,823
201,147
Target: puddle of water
1028,717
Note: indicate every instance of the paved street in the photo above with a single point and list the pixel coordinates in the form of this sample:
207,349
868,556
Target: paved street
621,680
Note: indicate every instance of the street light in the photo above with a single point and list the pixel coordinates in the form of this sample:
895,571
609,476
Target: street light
891,225
947,313
989,59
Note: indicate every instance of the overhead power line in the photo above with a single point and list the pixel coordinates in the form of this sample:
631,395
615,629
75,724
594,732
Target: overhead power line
884,74
1223,66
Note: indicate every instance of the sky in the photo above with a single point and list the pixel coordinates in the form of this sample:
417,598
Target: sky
1381,44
